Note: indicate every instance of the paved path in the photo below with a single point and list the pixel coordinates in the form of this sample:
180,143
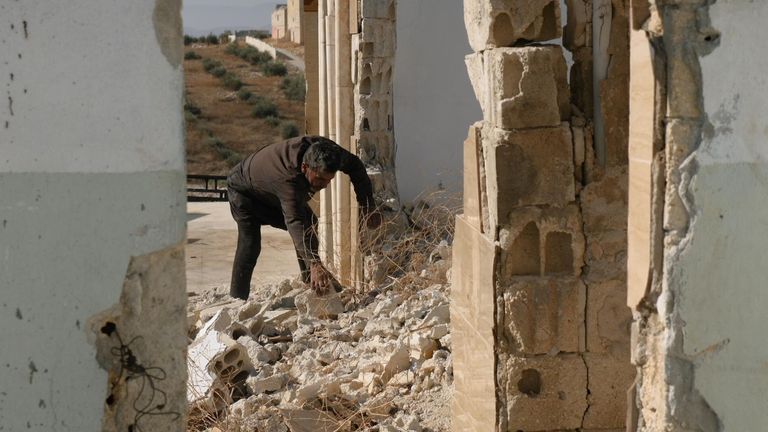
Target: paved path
211,242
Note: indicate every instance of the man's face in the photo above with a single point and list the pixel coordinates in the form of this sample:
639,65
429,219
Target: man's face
318,180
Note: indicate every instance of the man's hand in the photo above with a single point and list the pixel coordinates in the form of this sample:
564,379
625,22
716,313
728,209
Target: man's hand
319,278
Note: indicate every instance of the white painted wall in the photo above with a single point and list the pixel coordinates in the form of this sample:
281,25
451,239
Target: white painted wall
91,173
261,46
723,273
434,104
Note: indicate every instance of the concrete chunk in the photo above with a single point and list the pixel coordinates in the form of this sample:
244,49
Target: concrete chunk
544,393
528,167
544,315
499,23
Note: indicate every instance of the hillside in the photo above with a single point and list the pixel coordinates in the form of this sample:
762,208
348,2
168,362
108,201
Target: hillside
220,126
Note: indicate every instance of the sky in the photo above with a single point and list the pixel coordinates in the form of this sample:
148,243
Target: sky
206,16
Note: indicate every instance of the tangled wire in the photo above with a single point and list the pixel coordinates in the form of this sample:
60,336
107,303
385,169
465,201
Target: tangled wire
155,399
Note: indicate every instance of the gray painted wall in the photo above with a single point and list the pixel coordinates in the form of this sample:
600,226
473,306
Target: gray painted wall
433,99
91,174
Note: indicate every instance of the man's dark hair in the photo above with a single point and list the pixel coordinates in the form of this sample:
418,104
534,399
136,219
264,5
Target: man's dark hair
323,154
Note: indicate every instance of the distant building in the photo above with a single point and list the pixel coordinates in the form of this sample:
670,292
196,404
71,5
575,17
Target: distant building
279,21
295,18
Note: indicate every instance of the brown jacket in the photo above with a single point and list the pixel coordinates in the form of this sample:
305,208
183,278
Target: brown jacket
273,185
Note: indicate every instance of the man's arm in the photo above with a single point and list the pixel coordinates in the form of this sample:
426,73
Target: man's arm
298,221
352,166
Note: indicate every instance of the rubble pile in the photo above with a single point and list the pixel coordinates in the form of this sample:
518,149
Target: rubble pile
290,360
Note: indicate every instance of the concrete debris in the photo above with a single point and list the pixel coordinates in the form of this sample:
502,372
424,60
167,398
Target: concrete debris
289,360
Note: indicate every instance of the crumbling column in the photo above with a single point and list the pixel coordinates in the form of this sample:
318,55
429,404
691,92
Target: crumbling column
544,226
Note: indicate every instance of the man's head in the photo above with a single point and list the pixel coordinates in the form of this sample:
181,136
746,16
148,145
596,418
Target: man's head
321,161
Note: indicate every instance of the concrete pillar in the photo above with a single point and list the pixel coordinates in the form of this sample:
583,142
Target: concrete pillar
325,218
312,67
92,214
344,131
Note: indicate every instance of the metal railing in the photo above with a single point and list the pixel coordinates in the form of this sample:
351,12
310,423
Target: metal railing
202,187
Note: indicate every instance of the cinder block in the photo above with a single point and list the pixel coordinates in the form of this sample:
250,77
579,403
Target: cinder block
500,23
543,393
381,34
528,87
378,9
609,379
544,315
604,203
542,241
528,167
608,319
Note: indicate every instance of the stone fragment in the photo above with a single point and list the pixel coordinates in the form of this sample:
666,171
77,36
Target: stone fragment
300,420
402,379
608,318
262,385
422,346
439,331
528,167
440,314
310,304
544,315
527,87
543,393
500,23
379,407
398,360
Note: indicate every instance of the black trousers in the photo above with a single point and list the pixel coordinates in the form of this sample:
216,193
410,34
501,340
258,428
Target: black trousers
250,215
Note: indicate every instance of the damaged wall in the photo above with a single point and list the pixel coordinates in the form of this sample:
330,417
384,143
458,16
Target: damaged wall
431,91
545,198
697,345
92,174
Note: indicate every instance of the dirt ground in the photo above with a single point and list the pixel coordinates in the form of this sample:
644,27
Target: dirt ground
226,117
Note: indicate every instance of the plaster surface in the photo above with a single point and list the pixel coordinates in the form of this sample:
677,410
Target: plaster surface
86,82
721,272
65,243
433,97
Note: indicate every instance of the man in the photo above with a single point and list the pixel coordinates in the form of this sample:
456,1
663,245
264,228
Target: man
272,187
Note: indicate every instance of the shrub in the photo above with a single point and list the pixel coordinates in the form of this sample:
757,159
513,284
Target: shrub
218,71
274,68
212,39
189,40
289,130
191,55
254,99
272,121
231,81
232,49
264,108
244,94
294,87
192,109
227,154
257,57
210,64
